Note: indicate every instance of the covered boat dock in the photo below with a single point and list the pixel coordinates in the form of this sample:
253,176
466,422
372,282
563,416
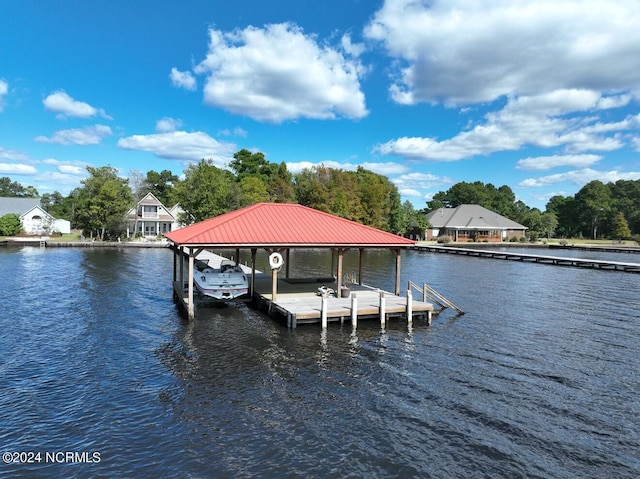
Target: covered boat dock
277,228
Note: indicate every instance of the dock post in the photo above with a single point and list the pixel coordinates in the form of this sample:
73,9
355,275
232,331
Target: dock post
274,285
409,307
382,309
429,318
323,310
354,311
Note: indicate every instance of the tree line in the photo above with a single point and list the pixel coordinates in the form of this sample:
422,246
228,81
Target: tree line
597,211
99,205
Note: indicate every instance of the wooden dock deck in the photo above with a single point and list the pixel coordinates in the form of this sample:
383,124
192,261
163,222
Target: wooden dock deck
534,258
297,302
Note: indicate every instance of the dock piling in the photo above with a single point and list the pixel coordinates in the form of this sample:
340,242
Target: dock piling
354,311
382,308
409,307
323,310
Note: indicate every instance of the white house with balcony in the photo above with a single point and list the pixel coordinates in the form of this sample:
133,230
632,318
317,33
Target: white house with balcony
150,218
35,220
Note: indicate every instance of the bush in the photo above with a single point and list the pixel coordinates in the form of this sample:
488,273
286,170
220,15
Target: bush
513,239
444,239
10,225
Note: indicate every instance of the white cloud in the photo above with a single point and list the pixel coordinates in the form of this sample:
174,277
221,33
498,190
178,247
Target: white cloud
181,145
278,73
353,49
549,162
579,177
184,80
4,89
239,132
91,135
386,169
297,166
411,193
67,167
70,169
462,51
17,169
615,101
167,124
59,101
420,181
13,155
57,181
548,120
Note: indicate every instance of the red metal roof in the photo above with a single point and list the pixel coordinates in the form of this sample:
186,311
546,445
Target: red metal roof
283,224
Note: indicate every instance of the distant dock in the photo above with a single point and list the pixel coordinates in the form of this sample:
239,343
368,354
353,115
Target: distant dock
534,258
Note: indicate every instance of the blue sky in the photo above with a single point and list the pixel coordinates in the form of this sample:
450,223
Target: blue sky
540,95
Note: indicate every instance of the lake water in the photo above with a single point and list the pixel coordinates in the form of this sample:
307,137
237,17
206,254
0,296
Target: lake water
538,379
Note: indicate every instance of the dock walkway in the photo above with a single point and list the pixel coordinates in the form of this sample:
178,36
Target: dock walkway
534,258
298,302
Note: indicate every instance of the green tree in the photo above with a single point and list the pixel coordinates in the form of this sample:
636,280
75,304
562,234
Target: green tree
311,188
102,202
246,163
620,227
10,188
378,199
412,220
10,225
593,203
161,185
564,207
548,224
280,186
57,205
501,200
626,200
206,191
252,190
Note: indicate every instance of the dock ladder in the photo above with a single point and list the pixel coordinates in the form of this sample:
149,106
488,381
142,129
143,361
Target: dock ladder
429,293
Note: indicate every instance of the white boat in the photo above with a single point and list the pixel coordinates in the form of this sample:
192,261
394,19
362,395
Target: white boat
224,283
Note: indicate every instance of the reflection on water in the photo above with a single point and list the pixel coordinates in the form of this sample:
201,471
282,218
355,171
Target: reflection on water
538,379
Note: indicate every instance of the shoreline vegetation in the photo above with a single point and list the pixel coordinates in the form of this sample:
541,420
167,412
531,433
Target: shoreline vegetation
75,239
100,206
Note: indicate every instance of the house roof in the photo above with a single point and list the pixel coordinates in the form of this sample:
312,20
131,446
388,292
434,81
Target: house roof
18,206
165,214
283,224
471,217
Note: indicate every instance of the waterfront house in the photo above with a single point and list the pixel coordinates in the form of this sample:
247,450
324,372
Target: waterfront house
150,218
472,223
35,220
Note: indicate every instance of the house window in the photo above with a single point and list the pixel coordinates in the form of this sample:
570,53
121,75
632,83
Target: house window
149,211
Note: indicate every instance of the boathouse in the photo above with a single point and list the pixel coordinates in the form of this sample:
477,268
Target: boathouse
277,228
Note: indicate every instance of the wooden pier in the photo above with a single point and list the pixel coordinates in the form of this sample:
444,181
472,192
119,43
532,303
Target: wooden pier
534,258
298,302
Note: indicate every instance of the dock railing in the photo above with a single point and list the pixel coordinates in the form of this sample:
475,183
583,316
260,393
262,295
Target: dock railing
429,293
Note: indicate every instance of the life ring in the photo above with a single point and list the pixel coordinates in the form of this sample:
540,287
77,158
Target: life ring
275,260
